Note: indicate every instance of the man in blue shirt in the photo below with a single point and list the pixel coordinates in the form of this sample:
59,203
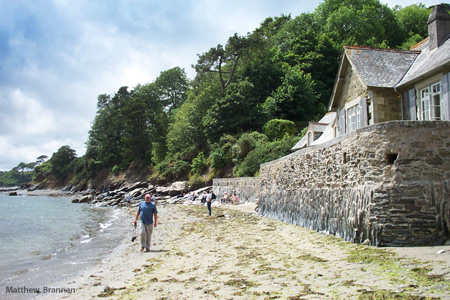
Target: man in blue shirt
147,210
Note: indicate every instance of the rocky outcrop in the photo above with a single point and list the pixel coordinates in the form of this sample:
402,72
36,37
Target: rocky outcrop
175,193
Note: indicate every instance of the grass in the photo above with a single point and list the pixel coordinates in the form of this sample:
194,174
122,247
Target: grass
389,295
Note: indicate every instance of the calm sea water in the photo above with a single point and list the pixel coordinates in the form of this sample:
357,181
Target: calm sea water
44,240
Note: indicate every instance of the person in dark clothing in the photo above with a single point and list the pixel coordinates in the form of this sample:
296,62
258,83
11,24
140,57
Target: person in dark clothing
208,202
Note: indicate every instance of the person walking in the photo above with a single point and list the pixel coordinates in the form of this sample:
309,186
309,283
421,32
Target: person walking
208,202
128,199
147,211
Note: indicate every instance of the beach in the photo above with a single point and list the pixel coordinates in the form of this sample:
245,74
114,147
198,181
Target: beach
236,254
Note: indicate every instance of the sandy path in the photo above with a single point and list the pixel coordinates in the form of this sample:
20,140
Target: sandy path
238,255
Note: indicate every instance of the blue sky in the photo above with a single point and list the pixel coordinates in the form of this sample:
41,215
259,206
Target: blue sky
57,56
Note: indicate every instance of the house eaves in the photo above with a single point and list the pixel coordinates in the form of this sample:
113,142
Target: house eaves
427,63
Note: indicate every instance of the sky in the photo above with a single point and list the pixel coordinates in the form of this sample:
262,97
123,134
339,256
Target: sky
57,56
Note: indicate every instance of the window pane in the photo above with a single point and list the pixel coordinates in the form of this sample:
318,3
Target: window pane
436,101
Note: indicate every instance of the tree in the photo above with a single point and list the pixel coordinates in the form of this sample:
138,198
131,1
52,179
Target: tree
295,99
21,166
224,60
135,142
61,159
237,111
359,22
41,159
413,21
172,86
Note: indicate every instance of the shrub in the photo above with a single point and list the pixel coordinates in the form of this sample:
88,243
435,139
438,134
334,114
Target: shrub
218,158
265,152
276,129
115,169
246,143
199,164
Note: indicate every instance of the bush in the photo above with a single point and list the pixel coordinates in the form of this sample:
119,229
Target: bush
115,169
246,143
196,181
276,129
265,152
218,158
199,164
171,170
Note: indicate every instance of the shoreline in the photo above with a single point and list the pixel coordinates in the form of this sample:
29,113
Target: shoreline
102,230
236,254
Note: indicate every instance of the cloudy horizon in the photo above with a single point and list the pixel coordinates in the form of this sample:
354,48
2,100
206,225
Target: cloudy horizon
58,56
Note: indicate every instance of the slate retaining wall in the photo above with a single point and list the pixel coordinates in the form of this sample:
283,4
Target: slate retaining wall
386,184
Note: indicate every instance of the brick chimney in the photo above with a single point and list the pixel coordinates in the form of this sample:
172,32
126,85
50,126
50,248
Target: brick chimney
438,26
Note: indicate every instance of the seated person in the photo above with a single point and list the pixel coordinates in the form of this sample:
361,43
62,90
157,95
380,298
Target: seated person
225,198
235,199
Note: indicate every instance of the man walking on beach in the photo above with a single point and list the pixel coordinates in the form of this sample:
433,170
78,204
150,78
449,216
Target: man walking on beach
147,210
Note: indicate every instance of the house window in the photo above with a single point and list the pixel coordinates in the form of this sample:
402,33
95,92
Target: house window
310,138
430,103
353,118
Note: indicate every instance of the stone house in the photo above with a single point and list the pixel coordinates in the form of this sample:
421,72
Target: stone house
424,89
379,85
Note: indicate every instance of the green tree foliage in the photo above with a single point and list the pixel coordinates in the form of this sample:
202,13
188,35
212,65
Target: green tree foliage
61,159
279,75
237,111
132,125
262,153
359,22
276,129
295,99
199,164
172,86
412,21
245,144
224,60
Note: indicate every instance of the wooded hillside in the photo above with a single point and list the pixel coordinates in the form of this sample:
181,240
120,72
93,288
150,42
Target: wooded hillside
247,105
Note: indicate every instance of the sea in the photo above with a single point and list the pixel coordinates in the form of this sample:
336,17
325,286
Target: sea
45,240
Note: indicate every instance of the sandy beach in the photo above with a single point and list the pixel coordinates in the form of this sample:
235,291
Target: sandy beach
236,254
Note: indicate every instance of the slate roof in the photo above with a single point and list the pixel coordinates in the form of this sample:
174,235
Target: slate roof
376,67
427,62
380,67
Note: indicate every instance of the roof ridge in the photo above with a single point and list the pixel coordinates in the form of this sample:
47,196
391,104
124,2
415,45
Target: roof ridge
419,44
381,49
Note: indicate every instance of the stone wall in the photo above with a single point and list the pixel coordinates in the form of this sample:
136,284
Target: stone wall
387,105
388,184
247,188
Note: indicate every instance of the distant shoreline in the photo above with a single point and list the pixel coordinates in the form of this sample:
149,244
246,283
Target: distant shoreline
47,192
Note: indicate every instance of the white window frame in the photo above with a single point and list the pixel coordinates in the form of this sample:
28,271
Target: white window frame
353,118
430,102
352,115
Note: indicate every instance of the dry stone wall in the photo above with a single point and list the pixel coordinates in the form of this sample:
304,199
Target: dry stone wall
247,188
386,184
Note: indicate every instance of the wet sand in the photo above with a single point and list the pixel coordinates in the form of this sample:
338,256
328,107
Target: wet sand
236,254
